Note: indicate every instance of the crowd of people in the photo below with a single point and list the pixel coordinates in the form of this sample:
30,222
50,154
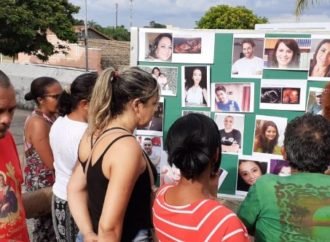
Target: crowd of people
80,143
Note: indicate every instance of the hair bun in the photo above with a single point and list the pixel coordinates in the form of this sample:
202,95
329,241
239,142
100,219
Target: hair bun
29,96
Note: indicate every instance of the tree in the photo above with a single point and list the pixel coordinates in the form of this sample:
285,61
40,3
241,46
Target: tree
301,5
226,17
119,33
24,25
154,24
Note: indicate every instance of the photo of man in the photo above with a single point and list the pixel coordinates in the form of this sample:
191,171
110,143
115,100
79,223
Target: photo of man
223,103
314,101
152,154
248,64
230,137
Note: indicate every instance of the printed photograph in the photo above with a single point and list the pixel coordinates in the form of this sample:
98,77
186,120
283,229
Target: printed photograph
155,126
287,54
187,45
155,46
152,146
269,135
314,100
231,127
283,94
190,46
196,86
247,58
166,76
280,167
319,58
249,169
232,97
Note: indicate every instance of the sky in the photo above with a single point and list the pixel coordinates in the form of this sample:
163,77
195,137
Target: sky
185,13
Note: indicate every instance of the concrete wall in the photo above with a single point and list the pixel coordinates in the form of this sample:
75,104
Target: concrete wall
21,77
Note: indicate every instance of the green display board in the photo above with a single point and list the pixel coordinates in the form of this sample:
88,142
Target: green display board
220,71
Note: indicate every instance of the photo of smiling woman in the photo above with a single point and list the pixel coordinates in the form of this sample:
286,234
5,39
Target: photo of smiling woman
160,47
269,135
196,86
248,171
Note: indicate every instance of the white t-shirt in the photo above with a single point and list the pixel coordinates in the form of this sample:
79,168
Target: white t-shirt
64,137
248,67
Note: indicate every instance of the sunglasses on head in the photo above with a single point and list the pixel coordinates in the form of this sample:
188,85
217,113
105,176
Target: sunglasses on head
55,96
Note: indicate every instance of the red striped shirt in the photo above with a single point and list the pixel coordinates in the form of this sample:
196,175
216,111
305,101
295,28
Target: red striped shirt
203,220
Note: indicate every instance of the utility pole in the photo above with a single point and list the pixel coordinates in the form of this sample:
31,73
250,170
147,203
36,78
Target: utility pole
116,15
131,14
86,38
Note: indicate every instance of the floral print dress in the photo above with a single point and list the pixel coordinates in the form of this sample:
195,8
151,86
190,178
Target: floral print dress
38,175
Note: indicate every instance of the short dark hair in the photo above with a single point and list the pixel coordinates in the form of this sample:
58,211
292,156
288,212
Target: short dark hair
293,46
249,41
38,88
81,88
220,88
307,143
4,80
192,142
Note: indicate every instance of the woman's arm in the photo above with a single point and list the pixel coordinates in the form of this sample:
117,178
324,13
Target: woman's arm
37,134
205,95
77,199
125,166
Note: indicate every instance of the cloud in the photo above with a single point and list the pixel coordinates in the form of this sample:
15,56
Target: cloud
184,13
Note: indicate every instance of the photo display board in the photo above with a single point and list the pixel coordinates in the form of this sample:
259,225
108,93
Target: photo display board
250,83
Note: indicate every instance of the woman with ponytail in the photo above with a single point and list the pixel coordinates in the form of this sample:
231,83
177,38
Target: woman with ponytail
189,211
39,169
64,137
110,189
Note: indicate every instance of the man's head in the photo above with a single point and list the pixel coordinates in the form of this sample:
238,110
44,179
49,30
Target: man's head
228,122
220,92
147,145
318,97
307,143
7,103
248,48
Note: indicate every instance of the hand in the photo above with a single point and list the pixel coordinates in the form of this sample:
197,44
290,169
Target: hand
90,237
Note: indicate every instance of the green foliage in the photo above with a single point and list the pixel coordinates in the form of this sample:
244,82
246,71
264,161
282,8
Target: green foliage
154,24
119,33
226,17
301,5
24,24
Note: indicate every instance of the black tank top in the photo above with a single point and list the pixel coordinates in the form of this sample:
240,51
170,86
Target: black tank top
138,211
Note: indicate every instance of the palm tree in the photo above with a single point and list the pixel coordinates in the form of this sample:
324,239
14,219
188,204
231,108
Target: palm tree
301,5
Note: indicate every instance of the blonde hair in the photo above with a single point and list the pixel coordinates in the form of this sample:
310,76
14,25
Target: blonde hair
113,90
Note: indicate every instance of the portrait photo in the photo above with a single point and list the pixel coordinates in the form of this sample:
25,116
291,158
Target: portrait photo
314,100
155,46
249,169
269,135
155,126
247,56
153,147
232,97
190,46
280,167
283,94
319,58
195,86
166,76
231,127
287,54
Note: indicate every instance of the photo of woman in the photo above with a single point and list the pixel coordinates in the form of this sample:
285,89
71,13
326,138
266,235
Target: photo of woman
269,135
160,49
286,53
248,171
320,61
196,86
